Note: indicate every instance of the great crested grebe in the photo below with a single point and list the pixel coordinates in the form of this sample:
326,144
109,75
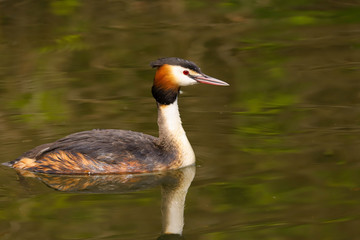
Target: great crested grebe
111,151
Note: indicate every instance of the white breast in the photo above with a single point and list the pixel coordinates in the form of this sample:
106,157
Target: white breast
171,130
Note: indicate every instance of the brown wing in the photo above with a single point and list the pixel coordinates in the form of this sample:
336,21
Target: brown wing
98,152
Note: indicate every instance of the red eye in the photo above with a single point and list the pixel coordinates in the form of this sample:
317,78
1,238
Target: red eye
185,72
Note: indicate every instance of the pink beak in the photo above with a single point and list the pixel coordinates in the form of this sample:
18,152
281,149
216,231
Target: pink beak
210,80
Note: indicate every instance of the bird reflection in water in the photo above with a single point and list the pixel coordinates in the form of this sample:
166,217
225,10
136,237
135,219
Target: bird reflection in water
174,186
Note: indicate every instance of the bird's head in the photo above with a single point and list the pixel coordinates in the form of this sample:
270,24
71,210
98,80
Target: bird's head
173,73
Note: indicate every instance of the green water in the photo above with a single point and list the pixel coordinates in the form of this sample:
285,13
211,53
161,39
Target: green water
277,151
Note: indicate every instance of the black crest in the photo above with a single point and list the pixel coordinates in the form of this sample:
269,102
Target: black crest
177,62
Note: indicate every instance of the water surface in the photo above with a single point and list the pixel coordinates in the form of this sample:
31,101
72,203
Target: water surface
277,151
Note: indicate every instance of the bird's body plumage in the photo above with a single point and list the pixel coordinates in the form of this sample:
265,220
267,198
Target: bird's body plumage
100,152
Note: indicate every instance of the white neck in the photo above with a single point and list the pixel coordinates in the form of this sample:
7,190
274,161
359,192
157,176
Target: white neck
171,132
173,201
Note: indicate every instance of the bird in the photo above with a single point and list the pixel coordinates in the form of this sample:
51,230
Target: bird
113,151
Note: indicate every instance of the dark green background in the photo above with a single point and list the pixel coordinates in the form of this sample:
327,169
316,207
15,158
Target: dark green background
277,151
